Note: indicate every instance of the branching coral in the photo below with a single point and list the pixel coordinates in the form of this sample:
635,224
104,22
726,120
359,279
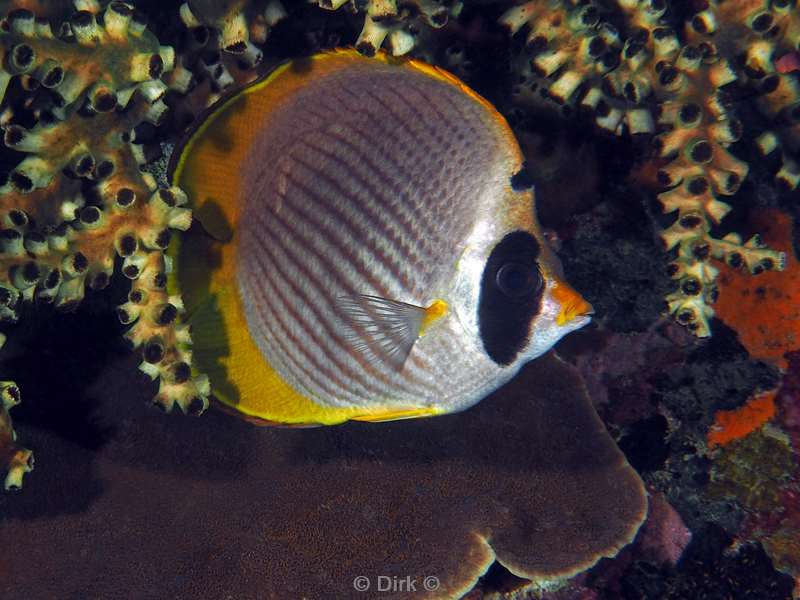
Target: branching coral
205,69
759,33
242,24
96,92
639,75
107,62
394,24
84,103
571,49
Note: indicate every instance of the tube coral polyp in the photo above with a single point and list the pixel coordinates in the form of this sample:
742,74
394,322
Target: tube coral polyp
571,50
760,33
241,23
108,62
641,76
96,93
14,458
700,171
393,24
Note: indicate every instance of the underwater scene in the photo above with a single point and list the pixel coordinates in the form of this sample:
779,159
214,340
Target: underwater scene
388,299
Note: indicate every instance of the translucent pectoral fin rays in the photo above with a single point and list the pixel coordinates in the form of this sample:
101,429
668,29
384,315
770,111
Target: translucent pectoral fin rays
383,329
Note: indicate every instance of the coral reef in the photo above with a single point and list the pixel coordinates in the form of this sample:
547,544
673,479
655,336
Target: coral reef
711,567
395,25
767,334
760,472
738,472
631,299
778,527
242,25
642,68
681,114
77,200
664,535
714,434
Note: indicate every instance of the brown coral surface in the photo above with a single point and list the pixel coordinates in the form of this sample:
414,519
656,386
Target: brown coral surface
215,508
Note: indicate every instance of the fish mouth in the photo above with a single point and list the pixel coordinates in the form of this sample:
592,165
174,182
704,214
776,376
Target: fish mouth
578,321
574,311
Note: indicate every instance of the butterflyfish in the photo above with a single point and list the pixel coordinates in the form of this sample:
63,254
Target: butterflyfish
362,249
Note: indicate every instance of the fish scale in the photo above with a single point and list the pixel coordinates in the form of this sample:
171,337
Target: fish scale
360,232
357,196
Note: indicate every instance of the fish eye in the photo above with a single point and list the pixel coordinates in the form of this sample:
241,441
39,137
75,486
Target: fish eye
518,281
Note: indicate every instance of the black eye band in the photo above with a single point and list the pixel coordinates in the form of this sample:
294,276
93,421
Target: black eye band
511,296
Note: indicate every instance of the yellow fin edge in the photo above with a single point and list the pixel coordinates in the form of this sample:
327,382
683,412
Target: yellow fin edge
433,313
397,415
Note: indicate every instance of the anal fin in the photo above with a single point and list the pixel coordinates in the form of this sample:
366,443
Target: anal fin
397,415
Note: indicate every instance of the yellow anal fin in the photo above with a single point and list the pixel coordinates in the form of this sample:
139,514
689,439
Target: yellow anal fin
259,421
222,346
397,415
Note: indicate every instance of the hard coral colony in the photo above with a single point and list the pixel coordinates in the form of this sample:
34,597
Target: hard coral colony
84,97
78,200
638,69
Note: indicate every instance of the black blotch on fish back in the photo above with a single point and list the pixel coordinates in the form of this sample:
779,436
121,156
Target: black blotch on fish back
504,322
301,65
522,179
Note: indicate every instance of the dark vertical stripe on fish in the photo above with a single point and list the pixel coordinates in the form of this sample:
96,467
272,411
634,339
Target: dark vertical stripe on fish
294,255
283,308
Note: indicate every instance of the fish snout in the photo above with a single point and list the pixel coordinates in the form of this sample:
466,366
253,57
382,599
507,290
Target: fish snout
572,305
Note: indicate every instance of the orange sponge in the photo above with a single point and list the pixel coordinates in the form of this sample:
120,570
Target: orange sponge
731,425
765,309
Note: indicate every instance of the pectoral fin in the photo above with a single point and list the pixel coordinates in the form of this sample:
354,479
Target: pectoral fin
385,330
